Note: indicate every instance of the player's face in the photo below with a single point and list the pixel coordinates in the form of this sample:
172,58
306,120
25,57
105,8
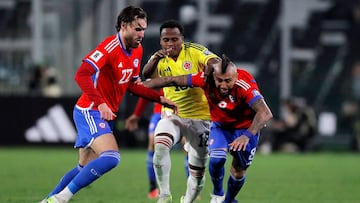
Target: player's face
225,82
171,40
134,32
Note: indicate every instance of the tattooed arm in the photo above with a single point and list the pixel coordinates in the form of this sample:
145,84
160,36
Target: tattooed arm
262,116
167,81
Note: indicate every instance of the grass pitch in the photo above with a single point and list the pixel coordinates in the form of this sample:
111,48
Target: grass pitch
28,174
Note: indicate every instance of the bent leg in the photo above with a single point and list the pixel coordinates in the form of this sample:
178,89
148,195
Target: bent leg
65,180
108,157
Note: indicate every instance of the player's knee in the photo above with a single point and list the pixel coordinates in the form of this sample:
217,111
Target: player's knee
112,158
237,172
196,171
217,158
163,140
197,166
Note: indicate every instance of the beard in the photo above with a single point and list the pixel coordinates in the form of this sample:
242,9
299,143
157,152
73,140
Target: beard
223,92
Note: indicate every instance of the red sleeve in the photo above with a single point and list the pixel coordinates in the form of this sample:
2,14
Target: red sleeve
140,106
196,80
144,92
83,79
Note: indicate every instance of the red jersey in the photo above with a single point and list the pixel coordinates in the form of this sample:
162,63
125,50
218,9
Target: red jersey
233,111
113,69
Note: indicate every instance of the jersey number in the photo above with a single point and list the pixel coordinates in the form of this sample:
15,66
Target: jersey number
179,88
126,74
204,138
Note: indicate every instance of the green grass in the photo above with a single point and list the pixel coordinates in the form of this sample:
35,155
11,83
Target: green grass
28,174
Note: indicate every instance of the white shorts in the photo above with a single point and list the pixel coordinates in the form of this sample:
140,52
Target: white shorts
195,131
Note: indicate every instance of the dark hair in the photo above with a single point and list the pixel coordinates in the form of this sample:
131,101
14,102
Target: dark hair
225,61
128,14
172,24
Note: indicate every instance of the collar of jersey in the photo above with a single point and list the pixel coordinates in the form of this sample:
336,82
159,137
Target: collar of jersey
122,45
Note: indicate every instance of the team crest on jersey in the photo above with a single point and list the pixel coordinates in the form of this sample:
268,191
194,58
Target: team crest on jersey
96,56
102,125
187,65
222,104
136,63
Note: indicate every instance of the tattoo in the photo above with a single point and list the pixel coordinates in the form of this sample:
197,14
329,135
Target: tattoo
166,81
262,116
258,104
180,80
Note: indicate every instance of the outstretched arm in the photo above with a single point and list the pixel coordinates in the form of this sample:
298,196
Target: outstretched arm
167,81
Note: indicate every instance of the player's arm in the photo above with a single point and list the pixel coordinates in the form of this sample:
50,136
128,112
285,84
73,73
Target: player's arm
262,116
149,70
84,81
167,81
211,65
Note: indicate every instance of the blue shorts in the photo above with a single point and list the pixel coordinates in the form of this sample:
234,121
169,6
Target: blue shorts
155,118
220,138
89,125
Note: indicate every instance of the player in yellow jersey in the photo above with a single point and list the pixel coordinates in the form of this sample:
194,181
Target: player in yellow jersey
175,58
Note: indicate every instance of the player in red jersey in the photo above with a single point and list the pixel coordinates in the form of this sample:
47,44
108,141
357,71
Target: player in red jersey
238,111
104,76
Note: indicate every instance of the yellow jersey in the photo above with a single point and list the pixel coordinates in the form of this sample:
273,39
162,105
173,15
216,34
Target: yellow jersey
191,101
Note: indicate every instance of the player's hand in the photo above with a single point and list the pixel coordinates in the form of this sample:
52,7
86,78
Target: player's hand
170,104
162,53
239,143
132,123
105,112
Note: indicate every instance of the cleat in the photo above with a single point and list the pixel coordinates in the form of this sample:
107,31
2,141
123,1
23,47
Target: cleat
165,199
182,199
43,201
216,198
55,199
153,194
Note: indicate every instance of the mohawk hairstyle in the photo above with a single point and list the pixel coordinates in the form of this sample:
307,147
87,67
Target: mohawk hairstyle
129,14
225,63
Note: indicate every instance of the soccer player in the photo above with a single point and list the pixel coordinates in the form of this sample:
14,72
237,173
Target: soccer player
177,57
104,75
131,124
238,111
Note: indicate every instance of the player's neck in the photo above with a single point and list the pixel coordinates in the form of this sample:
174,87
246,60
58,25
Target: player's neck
123,44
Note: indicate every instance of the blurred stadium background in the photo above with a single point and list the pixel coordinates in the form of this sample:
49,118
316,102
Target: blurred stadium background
295,48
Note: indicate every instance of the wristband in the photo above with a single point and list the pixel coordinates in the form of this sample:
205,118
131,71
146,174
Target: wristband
248,134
